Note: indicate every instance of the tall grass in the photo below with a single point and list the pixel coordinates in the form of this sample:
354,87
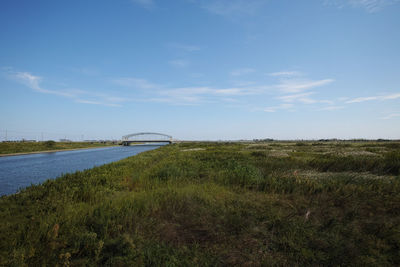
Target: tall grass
229,204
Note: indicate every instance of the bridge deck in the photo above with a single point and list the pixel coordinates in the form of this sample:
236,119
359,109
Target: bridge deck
127,142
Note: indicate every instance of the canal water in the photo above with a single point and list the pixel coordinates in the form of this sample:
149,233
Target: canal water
17,172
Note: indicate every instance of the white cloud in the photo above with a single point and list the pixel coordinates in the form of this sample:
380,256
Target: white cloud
243,71
28,79
86,71
179,100
331,108
302,97
390,97
185,47
296,86
244,83
240,8
361,99
371,6
197,95
232,7
135,83
91,102
148,4
305,98
371,98
276,108
229,100
33,82
285,74
287,92
180,63
391,116
291,89
329,102
190,91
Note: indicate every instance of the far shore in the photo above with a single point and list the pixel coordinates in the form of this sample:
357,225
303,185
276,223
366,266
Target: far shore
50,151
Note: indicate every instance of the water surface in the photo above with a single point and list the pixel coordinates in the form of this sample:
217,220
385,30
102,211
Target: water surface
17,172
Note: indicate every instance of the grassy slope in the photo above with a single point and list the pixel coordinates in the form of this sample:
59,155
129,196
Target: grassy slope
26,147
265,204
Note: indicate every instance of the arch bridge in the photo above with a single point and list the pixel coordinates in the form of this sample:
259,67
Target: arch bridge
146,137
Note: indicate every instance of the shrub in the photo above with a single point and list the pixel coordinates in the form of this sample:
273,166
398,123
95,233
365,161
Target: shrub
49,143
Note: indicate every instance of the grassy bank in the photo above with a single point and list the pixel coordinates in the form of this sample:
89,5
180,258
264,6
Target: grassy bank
274,204
27,147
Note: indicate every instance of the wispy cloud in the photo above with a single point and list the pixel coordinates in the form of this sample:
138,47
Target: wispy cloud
243,71
86,71
391,116
148,4
285,74
291,90
362,99
34,82
190,95
284,106
302,97
234,8
199,95
372,98
27,79
205,94
135,83
287,92
180,63
231,8
295,86
390,97
91,102
332,108
185,47
371,6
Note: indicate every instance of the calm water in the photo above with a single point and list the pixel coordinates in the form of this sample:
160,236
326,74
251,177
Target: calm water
21,171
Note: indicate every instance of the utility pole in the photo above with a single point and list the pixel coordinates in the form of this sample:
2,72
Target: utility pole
6,135
42,136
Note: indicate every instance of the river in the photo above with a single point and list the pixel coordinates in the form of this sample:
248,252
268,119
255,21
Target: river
17,172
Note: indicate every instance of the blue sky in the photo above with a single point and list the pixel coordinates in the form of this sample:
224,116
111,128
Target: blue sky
200,69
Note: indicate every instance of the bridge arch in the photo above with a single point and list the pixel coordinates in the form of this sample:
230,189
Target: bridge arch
146,137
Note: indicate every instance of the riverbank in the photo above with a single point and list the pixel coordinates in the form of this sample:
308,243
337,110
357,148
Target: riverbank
22,148
52,151
215,204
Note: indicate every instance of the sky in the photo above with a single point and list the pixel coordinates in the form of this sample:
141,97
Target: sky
200,69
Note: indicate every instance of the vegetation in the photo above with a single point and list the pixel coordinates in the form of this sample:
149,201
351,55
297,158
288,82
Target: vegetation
27,147
274,204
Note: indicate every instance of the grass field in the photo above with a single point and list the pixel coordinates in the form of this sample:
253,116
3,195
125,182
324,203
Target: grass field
215,204
27,147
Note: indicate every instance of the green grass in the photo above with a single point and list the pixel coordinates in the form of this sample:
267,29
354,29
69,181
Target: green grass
26,147
273,204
